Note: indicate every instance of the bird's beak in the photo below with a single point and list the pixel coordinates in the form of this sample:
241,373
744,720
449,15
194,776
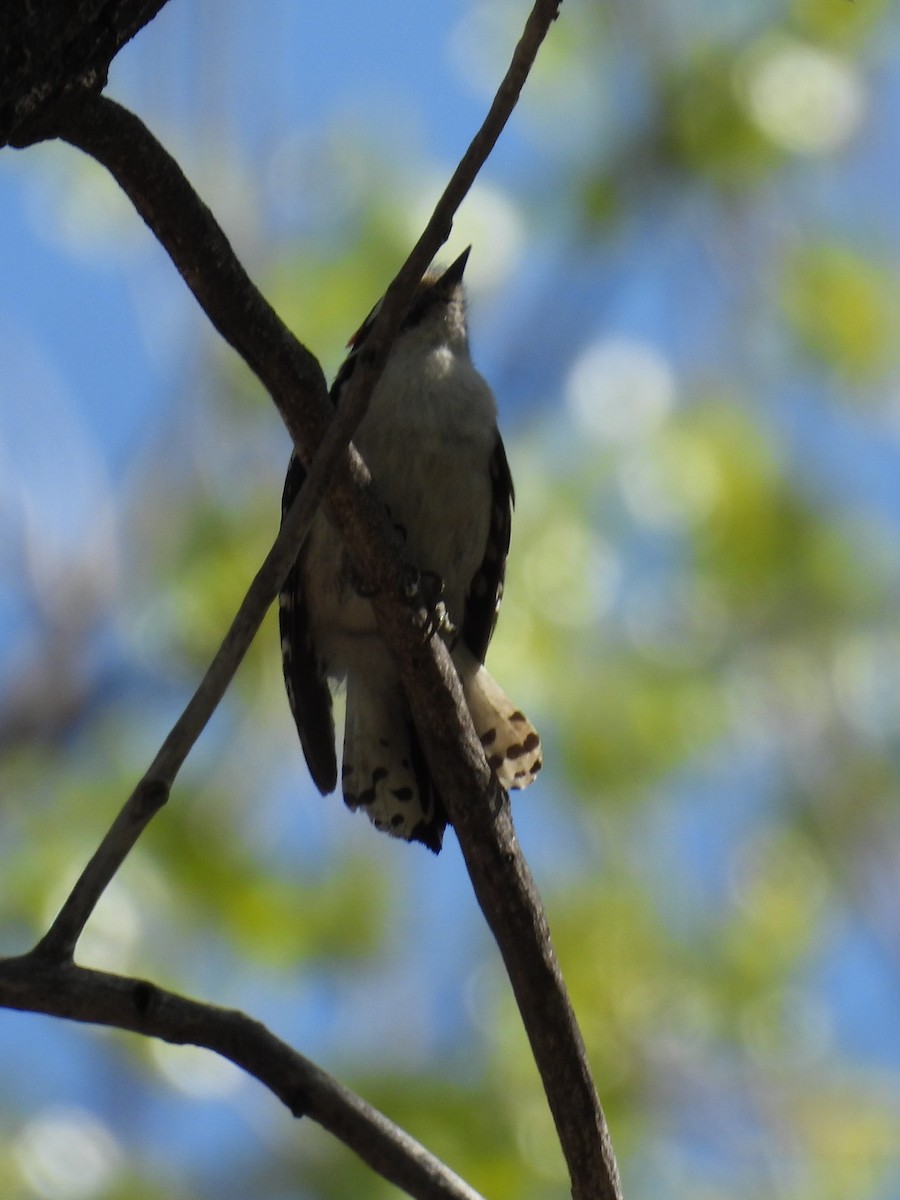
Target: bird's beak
454,273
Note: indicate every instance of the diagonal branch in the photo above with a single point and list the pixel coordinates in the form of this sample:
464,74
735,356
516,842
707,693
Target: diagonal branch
152,791
65,990
354,400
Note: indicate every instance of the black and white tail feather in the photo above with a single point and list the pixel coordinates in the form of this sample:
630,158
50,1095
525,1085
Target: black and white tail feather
431,443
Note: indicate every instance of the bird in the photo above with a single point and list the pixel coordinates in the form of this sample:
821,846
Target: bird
433,448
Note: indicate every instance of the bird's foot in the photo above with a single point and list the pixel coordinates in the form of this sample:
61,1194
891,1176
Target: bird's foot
424,590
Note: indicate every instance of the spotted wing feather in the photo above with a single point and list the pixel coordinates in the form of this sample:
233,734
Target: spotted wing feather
511,742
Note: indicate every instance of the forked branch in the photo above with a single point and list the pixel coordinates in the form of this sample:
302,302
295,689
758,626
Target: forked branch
477,808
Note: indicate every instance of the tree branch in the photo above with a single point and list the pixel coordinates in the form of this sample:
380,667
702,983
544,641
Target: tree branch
152,792
65,990
477,807
56,51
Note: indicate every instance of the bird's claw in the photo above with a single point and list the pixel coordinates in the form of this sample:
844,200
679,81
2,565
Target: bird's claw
424,590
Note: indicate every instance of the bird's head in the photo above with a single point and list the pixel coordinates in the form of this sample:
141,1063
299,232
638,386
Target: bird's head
437,313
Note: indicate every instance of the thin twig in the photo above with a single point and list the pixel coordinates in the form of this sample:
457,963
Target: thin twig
354,400
152,791
78,994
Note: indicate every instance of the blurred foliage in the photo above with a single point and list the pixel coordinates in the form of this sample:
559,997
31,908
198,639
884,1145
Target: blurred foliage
707,131
842,306
697,378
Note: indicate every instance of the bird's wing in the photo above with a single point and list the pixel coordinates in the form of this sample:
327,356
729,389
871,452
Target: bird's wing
304,678
486,589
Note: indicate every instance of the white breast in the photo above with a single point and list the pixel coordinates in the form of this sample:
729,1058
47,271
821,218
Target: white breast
427,439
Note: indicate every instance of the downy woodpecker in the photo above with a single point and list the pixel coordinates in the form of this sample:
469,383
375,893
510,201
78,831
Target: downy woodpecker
431,443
